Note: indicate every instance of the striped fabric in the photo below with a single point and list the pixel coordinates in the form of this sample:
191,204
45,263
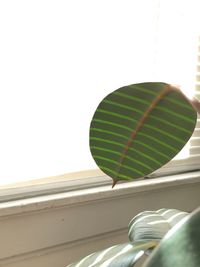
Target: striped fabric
145,231
123,255
153,225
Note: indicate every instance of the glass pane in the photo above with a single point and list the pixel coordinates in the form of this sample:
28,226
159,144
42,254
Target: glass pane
59,59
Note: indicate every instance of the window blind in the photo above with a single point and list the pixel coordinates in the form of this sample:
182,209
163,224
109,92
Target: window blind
190,162
195,139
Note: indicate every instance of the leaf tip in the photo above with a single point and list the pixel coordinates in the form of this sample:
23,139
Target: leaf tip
114,183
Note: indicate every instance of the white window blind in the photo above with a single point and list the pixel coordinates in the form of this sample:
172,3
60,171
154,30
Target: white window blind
189,158
195,139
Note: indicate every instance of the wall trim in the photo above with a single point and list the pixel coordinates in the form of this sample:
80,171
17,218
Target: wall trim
64,246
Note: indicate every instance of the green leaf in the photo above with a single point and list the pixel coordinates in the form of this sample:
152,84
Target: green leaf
153,225
181,245
125,255
139,128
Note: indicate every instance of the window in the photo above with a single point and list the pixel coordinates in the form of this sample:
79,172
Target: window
59,59
189,158
195,140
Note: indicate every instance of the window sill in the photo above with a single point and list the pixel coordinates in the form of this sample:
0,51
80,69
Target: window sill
79,197
95,180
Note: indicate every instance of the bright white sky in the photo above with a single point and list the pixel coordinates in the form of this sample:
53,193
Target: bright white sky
58,59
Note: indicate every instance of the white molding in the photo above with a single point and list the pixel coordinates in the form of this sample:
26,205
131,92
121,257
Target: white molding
39,226
121,234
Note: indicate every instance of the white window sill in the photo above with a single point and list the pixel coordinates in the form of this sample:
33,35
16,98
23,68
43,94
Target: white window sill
97,193
95,180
